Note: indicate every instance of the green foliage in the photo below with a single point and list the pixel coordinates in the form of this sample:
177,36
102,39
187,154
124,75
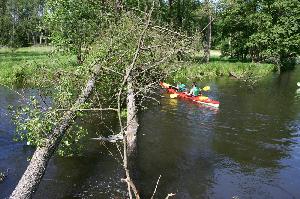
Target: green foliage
54,75
75,24
29,66
243,71
34,124
114,51
116,48
261,30
20,22
124,113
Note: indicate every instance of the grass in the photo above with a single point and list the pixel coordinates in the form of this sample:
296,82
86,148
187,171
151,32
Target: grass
217,67
25,65
29,65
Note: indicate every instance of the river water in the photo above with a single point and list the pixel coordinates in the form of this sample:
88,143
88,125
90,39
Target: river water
249,148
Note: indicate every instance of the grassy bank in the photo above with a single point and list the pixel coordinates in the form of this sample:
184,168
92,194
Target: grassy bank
27,65
217,67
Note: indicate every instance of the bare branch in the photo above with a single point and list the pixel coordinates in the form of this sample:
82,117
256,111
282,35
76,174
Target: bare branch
170,195
155,187
91,109
163,29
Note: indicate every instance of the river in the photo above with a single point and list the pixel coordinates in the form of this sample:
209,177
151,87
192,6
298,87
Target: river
249,148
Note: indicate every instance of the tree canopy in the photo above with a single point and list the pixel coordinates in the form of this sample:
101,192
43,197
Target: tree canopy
261,30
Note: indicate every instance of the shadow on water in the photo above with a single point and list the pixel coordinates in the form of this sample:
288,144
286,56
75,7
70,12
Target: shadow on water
13,156
255,135
94,174
247,149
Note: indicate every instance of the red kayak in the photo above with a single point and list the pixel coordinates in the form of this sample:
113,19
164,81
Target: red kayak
199,99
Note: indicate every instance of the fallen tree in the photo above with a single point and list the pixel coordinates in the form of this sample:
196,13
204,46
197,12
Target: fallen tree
39,161
134,55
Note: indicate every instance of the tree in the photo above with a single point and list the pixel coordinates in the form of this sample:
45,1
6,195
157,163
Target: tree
20,22
207,42
261,30
130,57
74,25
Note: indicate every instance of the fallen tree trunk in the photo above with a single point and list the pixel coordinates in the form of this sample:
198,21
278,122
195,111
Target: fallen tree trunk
132,120
38,164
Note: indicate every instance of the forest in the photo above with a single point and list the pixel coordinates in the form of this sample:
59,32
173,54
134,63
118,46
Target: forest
104,59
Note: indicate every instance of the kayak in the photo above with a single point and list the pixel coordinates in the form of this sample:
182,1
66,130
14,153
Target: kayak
199,99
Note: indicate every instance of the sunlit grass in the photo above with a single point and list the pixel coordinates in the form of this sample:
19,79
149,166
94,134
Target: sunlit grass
217,67
24,65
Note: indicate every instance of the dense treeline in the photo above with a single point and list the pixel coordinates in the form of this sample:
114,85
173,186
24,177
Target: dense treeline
21,22
261,31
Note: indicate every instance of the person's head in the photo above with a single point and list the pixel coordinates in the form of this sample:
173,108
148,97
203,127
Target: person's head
194,84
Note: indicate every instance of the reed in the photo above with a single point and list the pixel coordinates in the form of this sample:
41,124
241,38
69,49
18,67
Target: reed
27,65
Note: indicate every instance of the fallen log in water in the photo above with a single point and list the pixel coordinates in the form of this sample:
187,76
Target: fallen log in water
38,164
110,138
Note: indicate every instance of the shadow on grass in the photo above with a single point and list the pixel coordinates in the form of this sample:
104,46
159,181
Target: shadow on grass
25,54
200,60
20,56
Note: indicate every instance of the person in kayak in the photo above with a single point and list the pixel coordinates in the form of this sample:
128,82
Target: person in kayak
181,87
195,91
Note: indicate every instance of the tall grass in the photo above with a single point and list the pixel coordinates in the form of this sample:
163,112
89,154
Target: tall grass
193,70
25,65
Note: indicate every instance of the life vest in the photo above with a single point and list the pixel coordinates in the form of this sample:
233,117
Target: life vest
196,91
181,87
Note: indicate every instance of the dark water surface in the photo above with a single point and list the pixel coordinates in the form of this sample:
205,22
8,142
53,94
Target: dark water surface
249,148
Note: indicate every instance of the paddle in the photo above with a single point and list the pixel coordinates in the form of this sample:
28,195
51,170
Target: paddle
206,88
173,95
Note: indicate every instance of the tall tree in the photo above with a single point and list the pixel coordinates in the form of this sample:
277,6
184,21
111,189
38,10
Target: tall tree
20,22
74,25
207,42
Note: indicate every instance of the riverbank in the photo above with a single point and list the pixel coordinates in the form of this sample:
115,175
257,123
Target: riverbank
217,67
28,65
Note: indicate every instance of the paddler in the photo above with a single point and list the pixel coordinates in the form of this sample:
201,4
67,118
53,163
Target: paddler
181,87
195,91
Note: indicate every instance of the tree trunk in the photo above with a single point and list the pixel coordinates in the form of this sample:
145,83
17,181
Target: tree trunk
171,11
79,55
131,137
38,164
118,6
28,37
132,121
41,38
180,8
208,40
34,39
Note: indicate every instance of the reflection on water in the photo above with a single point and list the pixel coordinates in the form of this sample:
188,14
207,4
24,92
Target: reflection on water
298,93
249,148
